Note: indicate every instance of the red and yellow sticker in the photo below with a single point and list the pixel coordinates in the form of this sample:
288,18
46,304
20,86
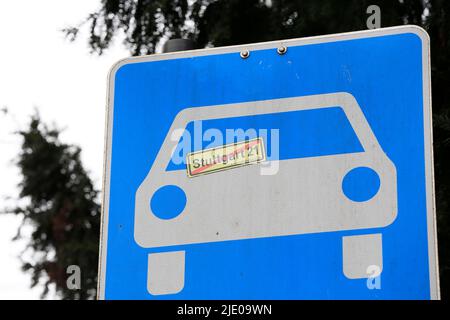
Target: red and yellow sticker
225,157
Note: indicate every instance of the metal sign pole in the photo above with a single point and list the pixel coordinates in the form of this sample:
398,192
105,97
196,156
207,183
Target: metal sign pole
174,45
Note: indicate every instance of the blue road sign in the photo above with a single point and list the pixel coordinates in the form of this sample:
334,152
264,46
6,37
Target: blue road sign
250,172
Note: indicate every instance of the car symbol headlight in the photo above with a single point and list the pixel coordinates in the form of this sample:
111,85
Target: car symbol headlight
168,202
361,184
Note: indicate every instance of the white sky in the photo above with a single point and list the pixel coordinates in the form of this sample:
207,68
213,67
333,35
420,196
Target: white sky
40,68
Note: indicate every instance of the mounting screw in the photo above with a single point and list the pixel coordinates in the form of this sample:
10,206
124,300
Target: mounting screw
245,54
281,50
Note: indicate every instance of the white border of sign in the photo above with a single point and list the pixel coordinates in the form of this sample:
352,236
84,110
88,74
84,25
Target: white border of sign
427,114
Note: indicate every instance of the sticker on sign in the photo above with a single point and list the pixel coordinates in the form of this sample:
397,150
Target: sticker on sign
225,157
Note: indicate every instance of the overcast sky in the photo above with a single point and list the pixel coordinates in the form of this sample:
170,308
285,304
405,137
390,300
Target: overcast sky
40,68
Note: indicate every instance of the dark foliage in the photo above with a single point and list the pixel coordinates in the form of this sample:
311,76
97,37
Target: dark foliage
60,206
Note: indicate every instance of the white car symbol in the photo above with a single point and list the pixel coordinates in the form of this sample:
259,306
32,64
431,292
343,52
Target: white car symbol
305,196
